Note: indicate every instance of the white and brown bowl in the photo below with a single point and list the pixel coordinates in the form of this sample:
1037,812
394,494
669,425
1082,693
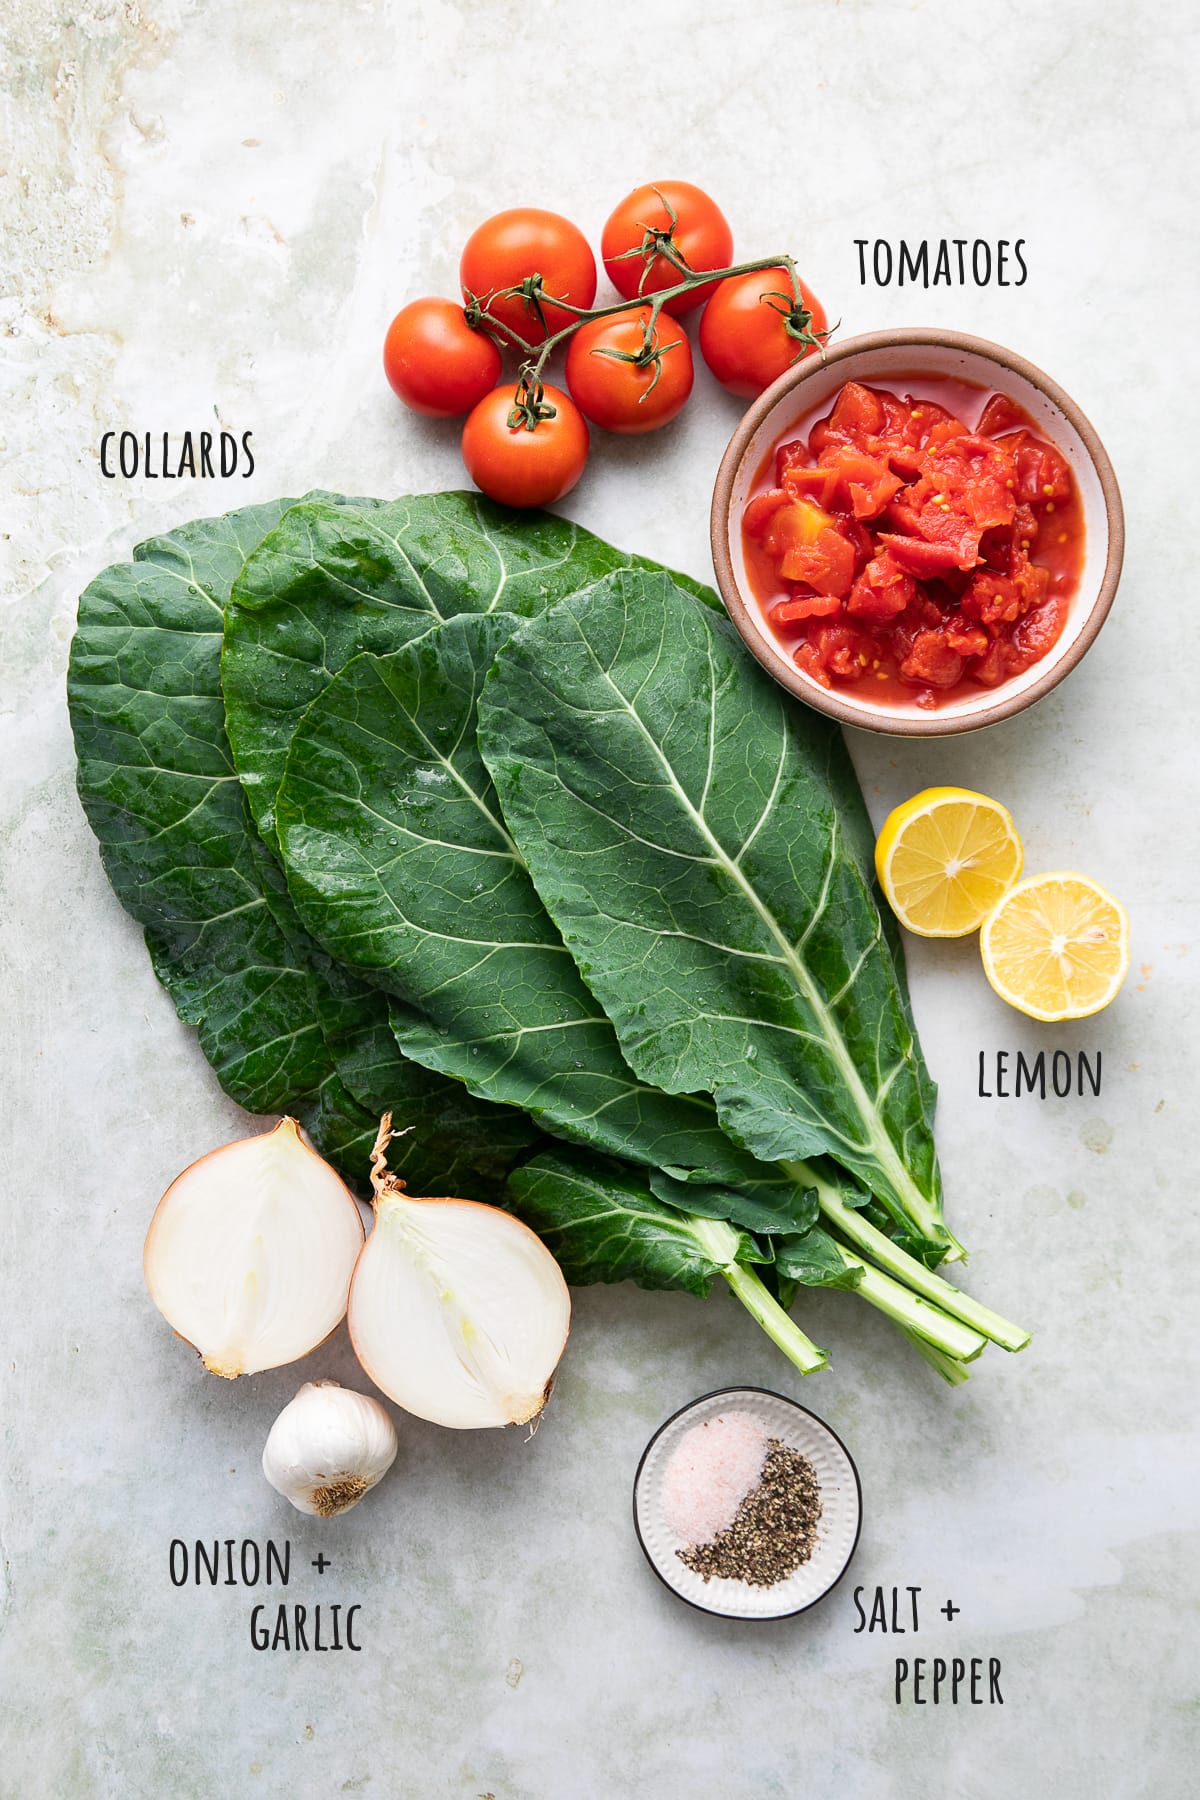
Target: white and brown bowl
882,358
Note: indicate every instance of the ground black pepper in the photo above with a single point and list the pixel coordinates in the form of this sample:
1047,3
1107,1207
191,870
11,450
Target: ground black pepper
774,1529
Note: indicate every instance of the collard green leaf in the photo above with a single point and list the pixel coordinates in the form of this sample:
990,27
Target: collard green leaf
602,1223
683,820
156,778
402,868
813,1260
454,1143
159,788
781,1210
767,1200
340,577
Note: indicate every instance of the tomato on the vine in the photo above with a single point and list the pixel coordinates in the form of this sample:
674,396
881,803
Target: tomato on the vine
614,386
520,467
434,360
744,336
697,227
510,247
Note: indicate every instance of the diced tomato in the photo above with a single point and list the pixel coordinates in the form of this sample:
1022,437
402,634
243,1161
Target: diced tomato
1006,547
827,565
808,658
922,511
999,415
992,599
908,626
950,587
996,599
996,549
975,476
805,606
857,415
967,639
858,411
1024,526
944,431
906,460
864,483
897,420
931,662
762,509
992,667
810,549
911,425
901,542
923,415
919,557
902,516
1042,474
1036,633
881,592
843,651
938,523
792,455
860,539
798,521
817,484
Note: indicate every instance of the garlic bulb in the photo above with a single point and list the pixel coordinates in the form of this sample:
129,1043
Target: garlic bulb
250,1252
457,1310
328,1447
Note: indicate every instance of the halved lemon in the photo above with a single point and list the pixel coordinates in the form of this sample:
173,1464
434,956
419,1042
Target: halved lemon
945,858
1056,947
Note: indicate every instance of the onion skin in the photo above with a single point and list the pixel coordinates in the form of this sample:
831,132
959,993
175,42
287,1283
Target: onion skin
161,1272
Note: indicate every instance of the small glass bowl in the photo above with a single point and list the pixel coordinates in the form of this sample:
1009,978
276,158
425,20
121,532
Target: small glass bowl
837,1531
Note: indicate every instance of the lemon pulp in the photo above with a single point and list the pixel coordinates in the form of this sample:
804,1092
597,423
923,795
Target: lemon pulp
1056,946
945,858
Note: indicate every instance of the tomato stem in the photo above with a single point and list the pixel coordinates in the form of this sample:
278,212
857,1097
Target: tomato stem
529,404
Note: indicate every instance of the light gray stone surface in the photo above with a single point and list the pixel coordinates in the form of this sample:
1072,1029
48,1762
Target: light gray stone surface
211,211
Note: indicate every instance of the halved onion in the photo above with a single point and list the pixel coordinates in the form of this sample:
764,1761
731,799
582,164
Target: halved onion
457,1311
250,1252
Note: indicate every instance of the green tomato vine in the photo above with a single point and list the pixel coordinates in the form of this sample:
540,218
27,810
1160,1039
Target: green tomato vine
529,402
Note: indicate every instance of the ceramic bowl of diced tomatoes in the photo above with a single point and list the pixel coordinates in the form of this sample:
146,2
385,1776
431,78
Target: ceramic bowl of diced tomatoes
918,533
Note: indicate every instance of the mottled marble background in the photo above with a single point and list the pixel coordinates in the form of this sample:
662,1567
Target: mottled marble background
210,213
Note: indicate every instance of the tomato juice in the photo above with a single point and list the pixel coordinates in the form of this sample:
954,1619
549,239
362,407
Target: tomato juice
917,542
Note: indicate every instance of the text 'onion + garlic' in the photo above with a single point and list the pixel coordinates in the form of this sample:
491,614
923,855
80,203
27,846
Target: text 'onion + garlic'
328,1447
250,1252
458,1312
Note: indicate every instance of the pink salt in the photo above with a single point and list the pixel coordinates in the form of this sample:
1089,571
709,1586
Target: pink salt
709,1473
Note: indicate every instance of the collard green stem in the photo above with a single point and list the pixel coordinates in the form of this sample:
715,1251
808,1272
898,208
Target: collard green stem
778,1325
915,1315
948,1367
888,1254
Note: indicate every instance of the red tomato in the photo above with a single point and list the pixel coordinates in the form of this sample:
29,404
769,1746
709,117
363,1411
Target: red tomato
520,467
629,396
508,248
742,334
434,360
700,234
